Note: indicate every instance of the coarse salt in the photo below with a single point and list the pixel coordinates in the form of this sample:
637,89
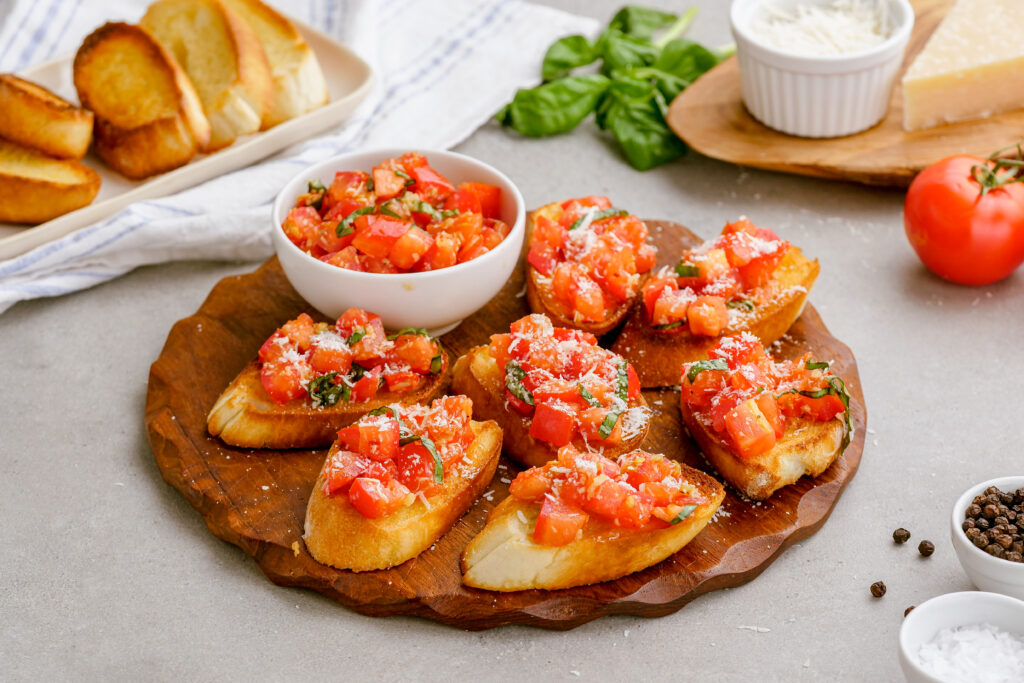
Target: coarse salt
976,652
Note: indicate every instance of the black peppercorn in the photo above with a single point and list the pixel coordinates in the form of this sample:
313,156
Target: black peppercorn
982,523
908,610
973,510
901,535
990,511
926,548
878,589
1014,557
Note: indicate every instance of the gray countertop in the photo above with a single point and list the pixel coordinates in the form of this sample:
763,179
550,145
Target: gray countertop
108,573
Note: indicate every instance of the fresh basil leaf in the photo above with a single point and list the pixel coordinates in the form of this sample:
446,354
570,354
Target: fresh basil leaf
420,206
702,365
745,304
836,387
641,131
555,107
816,365
437,361
345,227
565,54
622,394
680,63
317,187
597,216
384,410
357,334
386,210
357,372
438,464
685,512
670,326
409,330
588,397
514,375
640,22
369,184
402,174
323,391
620,51
687,270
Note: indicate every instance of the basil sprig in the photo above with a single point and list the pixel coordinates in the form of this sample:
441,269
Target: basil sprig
345,227
514,376
407,436
702,365
598,216
588,397
317,187
745,304
622,394
687,270
324,392
685,512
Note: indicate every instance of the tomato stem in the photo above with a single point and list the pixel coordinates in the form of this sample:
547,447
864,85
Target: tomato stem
998,171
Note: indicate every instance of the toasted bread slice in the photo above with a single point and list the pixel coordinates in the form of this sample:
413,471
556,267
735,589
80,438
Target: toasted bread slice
504,556
298,82
224,59
35,188
148,116
541,298
32,116
336,534
246,416
808,447
657,356
477,376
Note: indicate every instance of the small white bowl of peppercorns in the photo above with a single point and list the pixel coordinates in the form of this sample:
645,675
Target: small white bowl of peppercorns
988,535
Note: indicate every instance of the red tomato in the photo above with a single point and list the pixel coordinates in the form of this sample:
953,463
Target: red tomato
373,498
410,247
749,429
416,351
346,258
551,424
376,235
960,234
558,523
378,437
416,469
402,381
387,183
366,388
330,358
463,200
543,257
302,226
283,381
708,316
530,485
443,253
341,469
430,185
488,196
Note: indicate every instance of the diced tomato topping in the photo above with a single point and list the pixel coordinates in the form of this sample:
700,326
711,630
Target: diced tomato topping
387,183
341,468
591,421
431,185
463,200
366,387
283,381
543,257
302,226
552,423
443,253
708,316
348,186
346,258
410,247
327,358
558,523
416,469
374,498
488,197
376,235
530,485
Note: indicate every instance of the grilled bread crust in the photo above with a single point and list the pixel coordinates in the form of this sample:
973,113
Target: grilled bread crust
32,116
35,188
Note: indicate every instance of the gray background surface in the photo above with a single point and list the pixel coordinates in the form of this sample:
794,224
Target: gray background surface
108,573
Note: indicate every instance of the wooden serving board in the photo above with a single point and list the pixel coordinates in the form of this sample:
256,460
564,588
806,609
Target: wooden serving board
710,117
257,499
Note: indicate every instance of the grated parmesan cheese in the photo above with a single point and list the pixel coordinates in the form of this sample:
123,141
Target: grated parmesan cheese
976,652
818,29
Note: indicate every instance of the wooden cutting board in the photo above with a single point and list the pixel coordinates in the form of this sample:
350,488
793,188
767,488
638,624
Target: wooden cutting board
257,499
710,117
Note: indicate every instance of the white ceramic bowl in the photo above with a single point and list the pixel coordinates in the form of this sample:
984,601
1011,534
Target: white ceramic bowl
986,572
950,610
821,96
437,300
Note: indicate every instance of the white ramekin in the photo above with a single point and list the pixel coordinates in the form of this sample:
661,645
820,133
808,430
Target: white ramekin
986,572
817,97
437,300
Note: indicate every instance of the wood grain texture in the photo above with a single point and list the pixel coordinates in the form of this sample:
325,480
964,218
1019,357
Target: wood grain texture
257,499
710,117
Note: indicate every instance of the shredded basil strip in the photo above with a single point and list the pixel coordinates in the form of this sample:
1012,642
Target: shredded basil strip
357,371
407,436
816,365
588,397
369,184
358,334
402,174
514,375
386,210
687,270
741,303
409,330
702,365
316,186
836,387
622,394
383,410
345,227
324,392
684,513
598,215
421,206
670,326
437,361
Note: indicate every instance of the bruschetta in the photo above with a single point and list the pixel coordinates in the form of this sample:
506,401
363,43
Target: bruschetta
746,280
551,386
764,424
396,481
584,519
311,379
585,262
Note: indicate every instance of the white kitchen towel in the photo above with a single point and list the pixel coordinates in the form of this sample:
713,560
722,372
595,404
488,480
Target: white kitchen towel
442,68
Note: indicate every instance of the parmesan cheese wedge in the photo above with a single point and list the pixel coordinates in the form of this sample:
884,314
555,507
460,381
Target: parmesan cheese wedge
970,68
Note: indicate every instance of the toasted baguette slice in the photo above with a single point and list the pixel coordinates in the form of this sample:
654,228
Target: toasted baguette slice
657,356
808,447
224,59
148,116
504,556
541,298
298,82
246,416
32,116
477,376
35,188
336,534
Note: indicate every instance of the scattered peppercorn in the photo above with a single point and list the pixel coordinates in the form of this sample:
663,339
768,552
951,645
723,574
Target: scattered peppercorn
926,548
991,524
878,589
901,535
908,610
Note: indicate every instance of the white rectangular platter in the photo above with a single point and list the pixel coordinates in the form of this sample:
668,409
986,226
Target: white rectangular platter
349,79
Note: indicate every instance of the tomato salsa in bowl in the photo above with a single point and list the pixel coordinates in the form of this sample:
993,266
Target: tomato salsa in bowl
424,238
